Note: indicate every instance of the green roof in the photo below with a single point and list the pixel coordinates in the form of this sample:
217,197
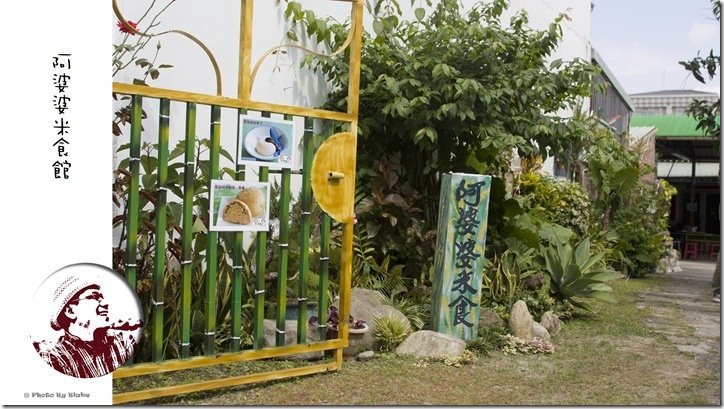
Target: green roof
670,126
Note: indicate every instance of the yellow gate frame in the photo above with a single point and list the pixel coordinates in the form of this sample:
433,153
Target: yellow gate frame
243,101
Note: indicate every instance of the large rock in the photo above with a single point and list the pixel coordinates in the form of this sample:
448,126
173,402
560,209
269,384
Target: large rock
551,322
540,332
521,322
430,344
489,318
367,305
290,338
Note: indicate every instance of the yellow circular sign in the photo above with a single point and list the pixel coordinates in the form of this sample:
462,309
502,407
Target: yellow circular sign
333,175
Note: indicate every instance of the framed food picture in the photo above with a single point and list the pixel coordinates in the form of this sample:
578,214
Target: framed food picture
239,206
266,142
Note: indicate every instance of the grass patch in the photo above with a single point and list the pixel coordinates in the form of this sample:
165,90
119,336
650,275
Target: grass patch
608,357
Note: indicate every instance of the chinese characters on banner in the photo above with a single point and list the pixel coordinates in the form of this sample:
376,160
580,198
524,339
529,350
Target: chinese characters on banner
459,254
61,107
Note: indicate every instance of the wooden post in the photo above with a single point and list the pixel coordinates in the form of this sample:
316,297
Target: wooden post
460,254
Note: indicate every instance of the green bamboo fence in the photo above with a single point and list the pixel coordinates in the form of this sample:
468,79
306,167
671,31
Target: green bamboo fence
159,270
212,260
305,229
260,271
188,256
281,288
322,304
237,257
134,162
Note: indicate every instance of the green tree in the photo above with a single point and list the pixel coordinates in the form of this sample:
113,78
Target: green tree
448,92
706,113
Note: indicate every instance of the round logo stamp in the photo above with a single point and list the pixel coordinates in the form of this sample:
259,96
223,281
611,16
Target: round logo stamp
86,320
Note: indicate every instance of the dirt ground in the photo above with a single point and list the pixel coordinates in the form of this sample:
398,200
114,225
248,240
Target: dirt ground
686,315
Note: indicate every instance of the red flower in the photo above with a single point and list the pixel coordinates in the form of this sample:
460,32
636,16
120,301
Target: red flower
125,29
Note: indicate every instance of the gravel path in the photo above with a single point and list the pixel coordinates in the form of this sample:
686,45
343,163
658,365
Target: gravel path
685,313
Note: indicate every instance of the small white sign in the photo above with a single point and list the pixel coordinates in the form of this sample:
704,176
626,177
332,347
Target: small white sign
266,142
239,206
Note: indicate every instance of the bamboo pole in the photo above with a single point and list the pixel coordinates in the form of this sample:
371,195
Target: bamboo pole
226,102
237,278
245,45
187,238
221,383
345,278
134,162
284,201
323,302
212,261
305,223
159,271
260,273
202,361
260,270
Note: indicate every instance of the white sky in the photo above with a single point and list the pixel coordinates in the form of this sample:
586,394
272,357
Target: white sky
642,41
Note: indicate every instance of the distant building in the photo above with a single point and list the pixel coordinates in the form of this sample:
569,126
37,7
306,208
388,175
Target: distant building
612,106
670,102
688,159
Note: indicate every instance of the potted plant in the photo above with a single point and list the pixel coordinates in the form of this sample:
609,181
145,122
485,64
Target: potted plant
357,329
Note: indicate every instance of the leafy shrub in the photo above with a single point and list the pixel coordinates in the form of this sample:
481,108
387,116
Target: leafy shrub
390,332
466,357
641,227
502,277
577,273
556,201
430,100
418,314
489,339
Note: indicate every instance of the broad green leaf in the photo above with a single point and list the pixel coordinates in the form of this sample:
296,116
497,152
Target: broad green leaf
419,13
606,276
583,253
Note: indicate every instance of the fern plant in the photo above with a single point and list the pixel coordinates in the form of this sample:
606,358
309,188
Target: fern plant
390,332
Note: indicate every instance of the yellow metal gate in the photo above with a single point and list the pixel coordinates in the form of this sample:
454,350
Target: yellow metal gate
330,174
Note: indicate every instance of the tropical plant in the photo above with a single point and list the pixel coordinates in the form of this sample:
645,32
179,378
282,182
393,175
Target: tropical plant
417,313
577,274
642,227
489,339
614,172
450,91
706,113
147,241
556,201
390,332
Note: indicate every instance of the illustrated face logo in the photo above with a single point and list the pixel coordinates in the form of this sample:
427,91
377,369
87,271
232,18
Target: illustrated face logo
86,321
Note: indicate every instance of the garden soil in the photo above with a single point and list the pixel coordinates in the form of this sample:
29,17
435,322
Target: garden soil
684,312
